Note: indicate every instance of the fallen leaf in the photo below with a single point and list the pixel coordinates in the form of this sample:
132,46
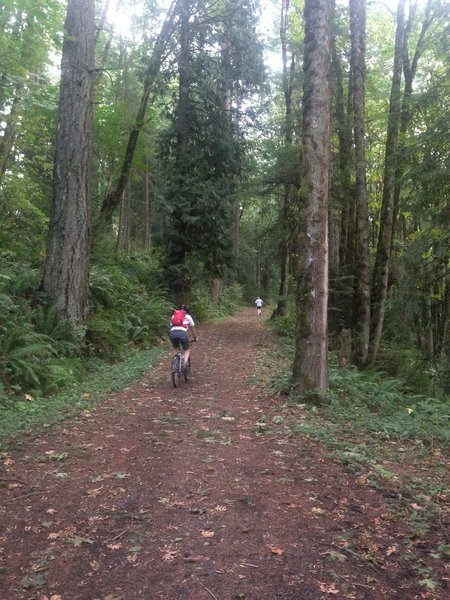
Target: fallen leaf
318,511
391,550
122,475
77,540
51,511
170,555
207,533
53,536
95,492
276,550
329,589
114,546
132,558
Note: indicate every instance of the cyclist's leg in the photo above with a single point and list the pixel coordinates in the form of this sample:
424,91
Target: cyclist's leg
185,345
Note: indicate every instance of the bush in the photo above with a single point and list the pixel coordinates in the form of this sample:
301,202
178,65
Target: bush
374,402
124,310
385,406
284,326
40,352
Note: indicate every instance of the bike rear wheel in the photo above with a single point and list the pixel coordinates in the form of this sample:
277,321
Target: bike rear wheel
176,371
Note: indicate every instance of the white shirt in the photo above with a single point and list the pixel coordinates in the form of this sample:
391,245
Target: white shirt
188,321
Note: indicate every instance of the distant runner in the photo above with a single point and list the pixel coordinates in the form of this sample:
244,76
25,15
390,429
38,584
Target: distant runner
259,304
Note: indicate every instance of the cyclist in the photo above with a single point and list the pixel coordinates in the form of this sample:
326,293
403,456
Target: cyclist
180,324
259,304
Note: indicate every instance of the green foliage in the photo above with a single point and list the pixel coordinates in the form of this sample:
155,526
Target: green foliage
126,305
200,150
376,403
410,365
40,352
285,326
31,358
382,405
204,308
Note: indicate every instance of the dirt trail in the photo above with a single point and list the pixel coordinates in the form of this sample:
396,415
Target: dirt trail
198,494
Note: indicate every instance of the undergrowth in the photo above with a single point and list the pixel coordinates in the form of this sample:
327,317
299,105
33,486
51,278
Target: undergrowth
374,403
32,414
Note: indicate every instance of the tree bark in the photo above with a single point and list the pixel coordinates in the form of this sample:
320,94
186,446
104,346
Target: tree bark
67,265
310,369
343,191
183,86
288,75
147,211
9,133
384,246
361,290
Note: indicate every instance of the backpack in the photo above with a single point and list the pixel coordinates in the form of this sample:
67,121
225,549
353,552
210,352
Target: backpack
178,318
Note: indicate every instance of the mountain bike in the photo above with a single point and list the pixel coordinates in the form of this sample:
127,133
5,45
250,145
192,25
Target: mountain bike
179,368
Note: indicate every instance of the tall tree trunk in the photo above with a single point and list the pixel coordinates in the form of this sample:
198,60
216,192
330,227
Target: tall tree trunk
9,132
225,170
183,86
124,230
345,190
147,212
288,75
384,246
310,369
114,195
67,266
409,73
340,268
428,328
361,291
178,249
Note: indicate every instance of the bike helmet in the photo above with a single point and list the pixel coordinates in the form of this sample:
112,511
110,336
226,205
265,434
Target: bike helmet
185,308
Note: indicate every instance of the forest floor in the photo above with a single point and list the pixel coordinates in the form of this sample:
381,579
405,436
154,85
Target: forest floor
203,493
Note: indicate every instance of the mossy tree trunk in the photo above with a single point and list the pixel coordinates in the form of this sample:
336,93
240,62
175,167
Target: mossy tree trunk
310,370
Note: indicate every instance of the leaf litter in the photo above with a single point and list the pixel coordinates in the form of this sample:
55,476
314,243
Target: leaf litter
257,514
